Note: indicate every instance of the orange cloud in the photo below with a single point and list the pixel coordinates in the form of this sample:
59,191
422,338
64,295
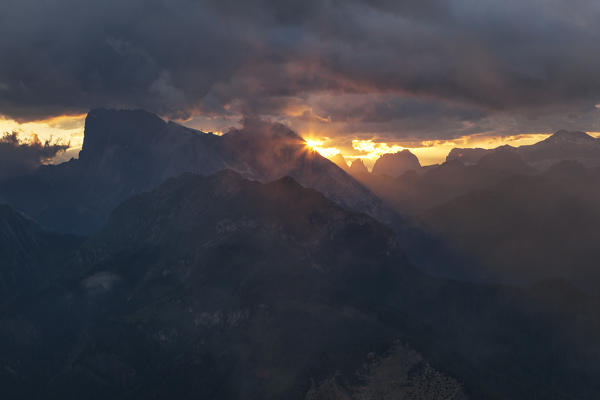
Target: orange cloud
66,129
428,151
318,145
373,149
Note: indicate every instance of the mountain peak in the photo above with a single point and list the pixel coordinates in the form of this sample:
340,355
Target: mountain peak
340,161
196,203
396,164
468,156
565,136
131,151
504,159
254,127
358,167
106,128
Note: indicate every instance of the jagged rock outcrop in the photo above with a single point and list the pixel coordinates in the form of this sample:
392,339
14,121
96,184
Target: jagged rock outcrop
358,167
340,161
396,164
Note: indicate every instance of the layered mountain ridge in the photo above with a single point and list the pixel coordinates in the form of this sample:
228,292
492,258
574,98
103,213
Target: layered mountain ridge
562,145
131,151
511,214
214,287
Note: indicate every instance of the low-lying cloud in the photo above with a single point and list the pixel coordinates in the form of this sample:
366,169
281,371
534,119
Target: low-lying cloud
19,157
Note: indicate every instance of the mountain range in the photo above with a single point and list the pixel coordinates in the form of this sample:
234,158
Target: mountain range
396,164
248,266
526,227
127,152
507,214
214,287
562,145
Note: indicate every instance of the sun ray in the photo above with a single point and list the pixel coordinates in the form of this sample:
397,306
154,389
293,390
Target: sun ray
318,146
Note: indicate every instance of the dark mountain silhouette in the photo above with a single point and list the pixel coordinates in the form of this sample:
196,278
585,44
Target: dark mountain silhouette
396,164
562,145
505,160
29,255
500,219
528,227
415,192
569,137
128,152
215,287
358,167
340,161
468,156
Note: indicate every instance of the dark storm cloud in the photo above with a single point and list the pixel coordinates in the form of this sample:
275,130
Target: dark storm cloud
482,60
19,158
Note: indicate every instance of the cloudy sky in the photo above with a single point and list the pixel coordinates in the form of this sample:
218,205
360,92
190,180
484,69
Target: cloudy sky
408,73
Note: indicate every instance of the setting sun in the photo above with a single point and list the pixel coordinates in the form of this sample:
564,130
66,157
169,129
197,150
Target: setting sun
313,143
317,145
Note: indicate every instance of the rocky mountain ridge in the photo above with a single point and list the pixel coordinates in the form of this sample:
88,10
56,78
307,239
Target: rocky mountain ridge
128,152
562,145
221,287
396,164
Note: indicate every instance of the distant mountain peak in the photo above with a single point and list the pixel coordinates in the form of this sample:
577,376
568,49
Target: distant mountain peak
131,151
256,127
562,145
468,156
505,159
396,164
106,128
340,161
358,167
564,136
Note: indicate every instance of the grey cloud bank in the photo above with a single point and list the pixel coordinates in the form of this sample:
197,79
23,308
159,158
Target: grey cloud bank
412,69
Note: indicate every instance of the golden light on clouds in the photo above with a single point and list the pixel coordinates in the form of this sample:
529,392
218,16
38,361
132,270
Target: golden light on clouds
66,129
428,151
318,146
375,150
435,151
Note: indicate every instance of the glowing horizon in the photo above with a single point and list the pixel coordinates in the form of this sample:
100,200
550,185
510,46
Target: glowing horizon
67,129
317,145
429,152
70,129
